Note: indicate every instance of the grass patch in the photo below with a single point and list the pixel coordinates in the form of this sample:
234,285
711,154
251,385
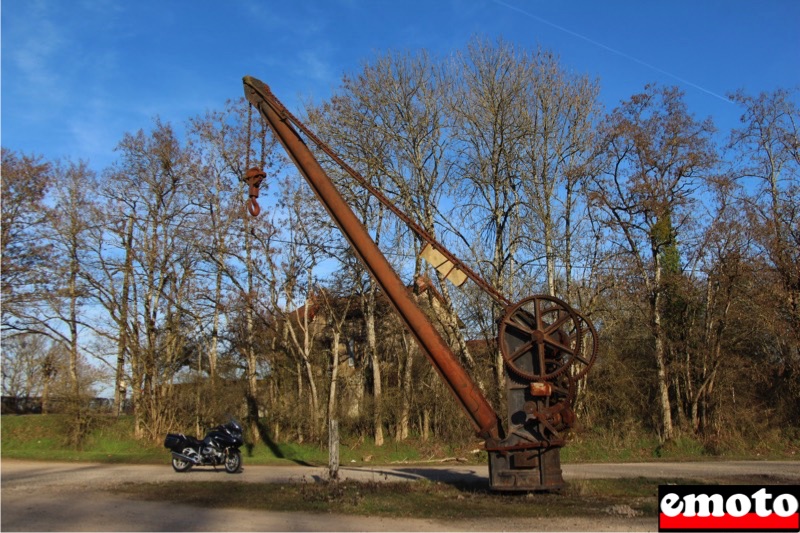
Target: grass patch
110,439
417,499
597,446
45,437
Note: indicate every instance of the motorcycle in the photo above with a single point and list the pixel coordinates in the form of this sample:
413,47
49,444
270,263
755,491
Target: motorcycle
219,447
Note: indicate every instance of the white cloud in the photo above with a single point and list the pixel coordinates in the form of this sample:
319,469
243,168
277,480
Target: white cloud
314,65
32,41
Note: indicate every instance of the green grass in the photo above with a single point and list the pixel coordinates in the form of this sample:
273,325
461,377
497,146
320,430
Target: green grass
600,447
44,437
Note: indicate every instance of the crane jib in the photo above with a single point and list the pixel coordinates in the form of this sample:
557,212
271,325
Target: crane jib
480,412
545,344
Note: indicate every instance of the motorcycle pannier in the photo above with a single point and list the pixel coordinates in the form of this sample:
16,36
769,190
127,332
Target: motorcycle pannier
172,440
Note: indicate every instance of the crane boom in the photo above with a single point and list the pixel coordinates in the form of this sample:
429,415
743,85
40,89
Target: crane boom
546,345
480,412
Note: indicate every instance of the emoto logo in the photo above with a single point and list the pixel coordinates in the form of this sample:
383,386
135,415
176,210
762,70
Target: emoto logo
728,508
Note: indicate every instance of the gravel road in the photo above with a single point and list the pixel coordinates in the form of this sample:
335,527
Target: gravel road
45,496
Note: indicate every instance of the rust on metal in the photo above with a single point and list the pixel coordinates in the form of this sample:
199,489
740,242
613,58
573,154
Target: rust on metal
541,388
546,345
481,413
253,177
285,115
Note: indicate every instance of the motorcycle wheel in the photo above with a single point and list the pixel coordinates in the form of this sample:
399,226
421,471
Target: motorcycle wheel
233,461
179,465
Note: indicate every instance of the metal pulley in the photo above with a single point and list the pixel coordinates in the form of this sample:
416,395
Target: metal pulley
542,337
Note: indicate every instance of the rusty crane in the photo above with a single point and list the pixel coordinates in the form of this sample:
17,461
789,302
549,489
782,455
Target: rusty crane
546,344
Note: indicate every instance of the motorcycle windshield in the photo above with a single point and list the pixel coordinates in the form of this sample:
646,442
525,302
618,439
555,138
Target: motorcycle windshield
233,425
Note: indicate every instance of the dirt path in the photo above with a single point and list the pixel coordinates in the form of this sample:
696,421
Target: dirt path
73,497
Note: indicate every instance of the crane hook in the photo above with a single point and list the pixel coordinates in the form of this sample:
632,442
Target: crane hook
253,177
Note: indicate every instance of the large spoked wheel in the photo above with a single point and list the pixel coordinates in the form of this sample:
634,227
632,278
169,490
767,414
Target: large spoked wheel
180,465
540,337
233,461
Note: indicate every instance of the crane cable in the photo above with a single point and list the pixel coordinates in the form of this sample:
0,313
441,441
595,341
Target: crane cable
254,175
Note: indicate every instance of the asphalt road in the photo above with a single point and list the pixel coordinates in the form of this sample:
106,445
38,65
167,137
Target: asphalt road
39,496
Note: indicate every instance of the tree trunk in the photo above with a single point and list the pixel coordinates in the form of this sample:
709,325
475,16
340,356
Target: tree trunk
550,257
334,375
249,349
665,407
426,424
372,348
73,330
406,387
302,349
122,342
314,397
300,393
214,348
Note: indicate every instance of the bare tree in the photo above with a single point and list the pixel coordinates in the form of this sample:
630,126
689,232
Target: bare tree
26,180
293,298
55,290
768,144
227,143
335,308
558,155
488,107
150,180
345,123
25,364
219,206
657,153
724,254
768,166
68,227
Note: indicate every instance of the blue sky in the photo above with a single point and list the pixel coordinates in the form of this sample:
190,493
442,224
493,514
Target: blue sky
78,74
